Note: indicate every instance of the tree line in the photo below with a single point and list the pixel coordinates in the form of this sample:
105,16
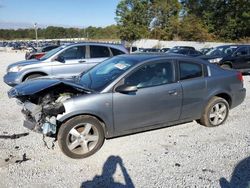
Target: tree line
191,20
196,20
51,32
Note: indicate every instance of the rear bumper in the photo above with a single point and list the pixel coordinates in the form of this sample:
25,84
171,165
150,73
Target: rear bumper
238,97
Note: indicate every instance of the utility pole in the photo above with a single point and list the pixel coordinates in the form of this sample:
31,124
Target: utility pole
35,27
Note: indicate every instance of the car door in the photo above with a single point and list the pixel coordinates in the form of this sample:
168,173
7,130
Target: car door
241,58
193,83
157,100
73,62
96,54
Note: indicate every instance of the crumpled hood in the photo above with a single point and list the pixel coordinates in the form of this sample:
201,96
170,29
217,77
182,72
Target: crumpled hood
31,87
24,63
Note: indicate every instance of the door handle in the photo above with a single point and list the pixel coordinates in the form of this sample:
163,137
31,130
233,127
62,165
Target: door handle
82,61
172,92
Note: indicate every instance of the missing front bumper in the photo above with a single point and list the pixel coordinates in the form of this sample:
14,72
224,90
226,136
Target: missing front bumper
32,126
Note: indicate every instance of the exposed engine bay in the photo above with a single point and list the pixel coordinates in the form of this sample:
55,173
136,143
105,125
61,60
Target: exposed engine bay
41,117
41,109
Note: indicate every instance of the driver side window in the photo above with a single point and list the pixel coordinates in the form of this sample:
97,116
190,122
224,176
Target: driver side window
76,52
150,75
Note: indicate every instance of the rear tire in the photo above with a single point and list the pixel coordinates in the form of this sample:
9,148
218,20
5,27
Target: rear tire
81,136
32,76
215,113
226,66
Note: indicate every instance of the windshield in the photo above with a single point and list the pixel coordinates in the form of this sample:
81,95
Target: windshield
104,73
50,53
222,51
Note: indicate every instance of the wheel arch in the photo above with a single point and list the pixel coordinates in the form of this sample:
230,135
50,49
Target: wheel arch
227,63
225,96
65,119
36,72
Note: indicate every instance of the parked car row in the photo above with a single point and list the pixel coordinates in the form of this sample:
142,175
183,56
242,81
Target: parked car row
114,94
24,45
185,51
226,56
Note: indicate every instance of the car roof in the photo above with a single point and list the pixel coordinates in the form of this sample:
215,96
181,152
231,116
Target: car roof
53,45
119,46
142,57
236,45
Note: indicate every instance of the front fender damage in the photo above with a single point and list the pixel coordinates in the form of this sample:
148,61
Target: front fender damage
42,118
41,108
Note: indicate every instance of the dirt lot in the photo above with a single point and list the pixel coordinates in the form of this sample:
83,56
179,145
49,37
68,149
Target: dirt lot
187,155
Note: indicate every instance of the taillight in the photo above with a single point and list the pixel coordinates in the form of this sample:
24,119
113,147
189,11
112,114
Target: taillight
239,76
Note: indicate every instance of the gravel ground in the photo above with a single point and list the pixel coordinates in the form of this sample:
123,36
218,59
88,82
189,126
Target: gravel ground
186,155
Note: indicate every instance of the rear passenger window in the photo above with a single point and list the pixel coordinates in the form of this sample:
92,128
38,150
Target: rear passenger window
99,51
190,70
242,51
116,52
184,51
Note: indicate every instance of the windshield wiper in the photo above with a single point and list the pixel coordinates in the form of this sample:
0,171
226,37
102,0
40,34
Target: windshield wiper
87,89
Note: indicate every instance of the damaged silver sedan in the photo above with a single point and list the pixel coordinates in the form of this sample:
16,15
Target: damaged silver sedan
127,94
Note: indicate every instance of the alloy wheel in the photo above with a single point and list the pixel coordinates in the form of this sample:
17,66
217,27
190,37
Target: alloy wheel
82,138
218,113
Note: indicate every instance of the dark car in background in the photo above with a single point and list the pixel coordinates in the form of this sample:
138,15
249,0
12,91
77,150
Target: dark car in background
185,51
64,61
37,54
128,94
151,50
230,57
205,50
184,47
165,49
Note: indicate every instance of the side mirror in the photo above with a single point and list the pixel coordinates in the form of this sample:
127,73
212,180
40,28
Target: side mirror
60,59
126,89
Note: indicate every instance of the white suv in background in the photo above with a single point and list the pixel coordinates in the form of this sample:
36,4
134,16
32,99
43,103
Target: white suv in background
63,61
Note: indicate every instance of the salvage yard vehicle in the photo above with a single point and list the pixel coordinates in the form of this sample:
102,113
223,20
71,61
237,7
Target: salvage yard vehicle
63,61
128,94
185,51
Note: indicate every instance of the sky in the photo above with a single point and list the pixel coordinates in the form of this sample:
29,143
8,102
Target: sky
67,13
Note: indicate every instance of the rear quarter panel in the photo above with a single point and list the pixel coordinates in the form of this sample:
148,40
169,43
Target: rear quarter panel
224,82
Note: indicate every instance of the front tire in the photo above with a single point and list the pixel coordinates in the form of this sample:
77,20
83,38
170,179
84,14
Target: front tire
215,113
226,66
81,136
32,76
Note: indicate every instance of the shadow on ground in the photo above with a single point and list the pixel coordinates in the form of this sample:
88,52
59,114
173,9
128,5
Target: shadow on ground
106,178
240,177
13,136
